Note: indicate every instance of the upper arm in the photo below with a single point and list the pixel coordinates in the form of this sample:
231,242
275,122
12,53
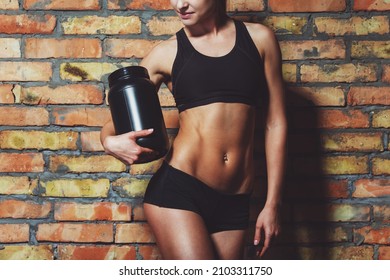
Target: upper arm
159,62
272,58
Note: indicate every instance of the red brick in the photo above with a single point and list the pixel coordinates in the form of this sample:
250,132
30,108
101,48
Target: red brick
145,168
167,25
102,211
92,24
25,71
24,209
61,5
9,4
63,48
330,165
245,5
70,252
332,212
90,141
69,94
331,119
370,49
40,140
372,188
89,71
311,234
338,253
381,166
80,164
312,49
131,233
166,98
352,142
386,74
17,185
139,215
315,96
289,71
10,48
17,116
286,24
317,189
352,26
6,94
384,253
27,252
72,232
371,235
381,118
26,162
12,233
369,96
27,24
382,213
343,119
81,116
87,188
130,186
281,6
371,5
126,48
150,253
139,5
339,73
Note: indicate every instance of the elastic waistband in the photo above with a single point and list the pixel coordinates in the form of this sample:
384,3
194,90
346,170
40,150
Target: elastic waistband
186,176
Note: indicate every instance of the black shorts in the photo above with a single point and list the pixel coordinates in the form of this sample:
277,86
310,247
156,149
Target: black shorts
173,188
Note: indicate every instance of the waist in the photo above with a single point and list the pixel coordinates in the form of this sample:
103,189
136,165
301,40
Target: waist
215,145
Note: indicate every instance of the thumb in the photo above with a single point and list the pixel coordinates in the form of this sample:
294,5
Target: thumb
140,133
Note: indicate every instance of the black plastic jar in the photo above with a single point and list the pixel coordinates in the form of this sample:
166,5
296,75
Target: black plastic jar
135,106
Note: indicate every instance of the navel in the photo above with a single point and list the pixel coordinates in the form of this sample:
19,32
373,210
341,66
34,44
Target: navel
225,158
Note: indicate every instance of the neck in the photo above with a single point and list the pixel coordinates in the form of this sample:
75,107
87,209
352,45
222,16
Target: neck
211,26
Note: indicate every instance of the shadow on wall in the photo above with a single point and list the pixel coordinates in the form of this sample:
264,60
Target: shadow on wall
305,234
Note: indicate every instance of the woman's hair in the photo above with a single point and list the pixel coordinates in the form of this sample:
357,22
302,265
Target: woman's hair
221,6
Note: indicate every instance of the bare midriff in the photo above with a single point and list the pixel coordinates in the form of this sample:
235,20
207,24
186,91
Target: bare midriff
215,145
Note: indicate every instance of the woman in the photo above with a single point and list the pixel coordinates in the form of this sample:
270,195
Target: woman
218,70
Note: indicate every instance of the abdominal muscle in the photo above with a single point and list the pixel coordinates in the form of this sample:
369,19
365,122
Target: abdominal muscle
215,145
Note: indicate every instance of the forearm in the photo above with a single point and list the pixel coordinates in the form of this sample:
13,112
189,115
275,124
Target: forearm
275,148
107,130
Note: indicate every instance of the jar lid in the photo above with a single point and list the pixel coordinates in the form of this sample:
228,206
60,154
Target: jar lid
128,72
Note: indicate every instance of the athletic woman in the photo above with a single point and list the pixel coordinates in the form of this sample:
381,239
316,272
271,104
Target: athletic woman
219,70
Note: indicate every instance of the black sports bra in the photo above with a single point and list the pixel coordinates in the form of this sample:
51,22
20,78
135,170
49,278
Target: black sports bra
237,77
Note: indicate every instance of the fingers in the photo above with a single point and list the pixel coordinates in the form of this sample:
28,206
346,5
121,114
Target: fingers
257,237
140,133
268,236
267,243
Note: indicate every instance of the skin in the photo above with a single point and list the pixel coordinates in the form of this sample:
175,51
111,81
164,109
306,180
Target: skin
222,131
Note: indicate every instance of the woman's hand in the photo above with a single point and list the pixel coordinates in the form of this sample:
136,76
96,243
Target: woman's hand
125,148
268,225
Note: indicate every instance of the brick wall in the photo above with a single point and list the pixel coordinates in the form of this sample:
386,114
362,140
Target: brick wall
61,197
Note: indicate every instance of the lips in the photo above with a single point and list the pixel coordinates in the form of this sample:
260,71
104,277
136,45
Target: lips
185,15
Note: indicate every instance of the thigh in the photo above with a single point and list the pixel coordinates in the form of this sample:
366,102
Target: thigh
180,234
229,245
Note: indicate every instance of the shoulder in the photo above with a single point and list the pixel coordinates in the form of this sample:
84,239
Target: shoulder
164,47
161,57
261,34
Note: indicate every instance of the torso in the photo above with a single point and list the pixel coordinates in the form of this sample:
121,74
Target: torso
215,141
215,145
